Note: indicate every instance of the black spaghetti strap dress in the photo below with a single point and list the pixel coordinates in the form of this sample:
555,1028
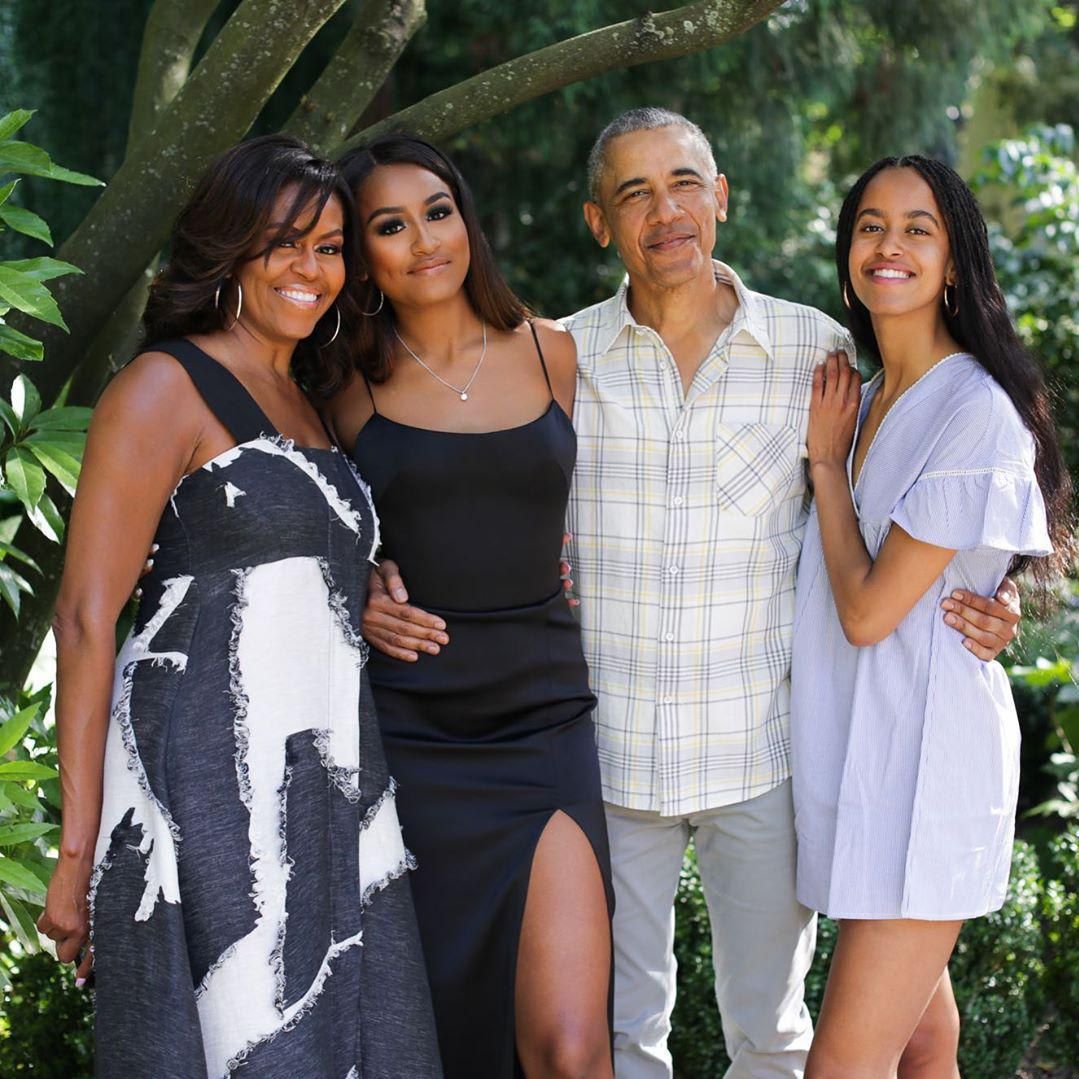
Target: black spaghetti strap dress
250,902
493,735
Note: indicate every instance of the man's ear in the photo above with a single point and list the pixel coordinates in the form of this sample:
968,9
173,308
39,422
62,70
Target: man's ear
722,194
597,223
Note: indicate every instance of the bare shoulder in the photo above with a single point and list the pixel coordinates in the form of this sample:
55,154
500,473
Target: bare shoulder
559,348
348,410
151,391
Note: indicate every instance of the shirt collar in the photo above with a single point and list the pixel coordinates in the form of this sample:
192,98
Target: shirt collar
615,314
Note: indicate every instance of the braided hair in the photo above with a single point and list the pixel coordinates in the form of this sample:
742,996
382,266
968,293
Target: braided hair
982,327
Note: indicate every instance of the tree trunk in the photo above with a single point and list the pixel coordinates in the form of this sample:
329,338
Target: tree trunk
693,28
330,109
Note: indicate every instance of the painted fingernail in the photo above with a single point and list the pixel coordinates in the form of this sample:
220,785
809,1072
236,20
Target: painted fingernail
948,605
138,593
951,619
80,982
154,548
957,594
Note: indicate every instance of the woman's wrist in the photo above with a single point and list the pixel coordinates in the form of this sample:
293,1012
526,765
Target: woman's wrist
77,850
825,465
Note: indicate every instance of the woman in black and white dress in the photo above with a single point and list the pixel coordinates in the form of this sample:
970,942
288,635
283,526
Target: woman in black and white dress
232,820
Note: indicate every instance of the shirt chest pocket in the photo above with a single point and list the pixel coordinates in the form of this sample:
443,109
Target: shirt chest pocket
757,466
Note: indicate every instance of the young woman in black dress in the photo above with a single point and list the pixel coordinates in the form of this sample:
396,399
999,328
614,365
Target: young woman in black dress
229,811
458,416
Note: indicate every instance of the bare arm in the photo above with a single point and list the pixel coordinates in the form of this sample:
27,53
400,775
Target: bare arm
141,439
871,596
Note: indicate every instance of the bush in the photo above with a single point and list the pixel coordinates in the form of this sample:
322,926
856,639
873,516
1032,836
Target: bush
49,1023
997,971
1062,944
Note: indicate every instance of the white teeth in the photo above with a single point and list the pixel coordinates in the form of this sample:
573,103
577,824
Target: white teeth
901,274
299,295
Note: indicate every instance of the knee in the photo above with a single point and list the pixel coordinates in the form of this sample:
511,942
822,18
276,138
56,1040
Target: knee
935,1040
571,1054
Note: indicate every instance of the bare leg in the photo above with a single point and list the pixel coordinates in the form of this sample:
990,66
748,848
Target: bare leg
932,1049
564,961
883,976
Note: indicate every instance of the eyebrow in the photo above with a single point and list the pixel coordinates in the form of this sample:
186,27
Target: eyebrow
400,209
638,180
909,216
276,227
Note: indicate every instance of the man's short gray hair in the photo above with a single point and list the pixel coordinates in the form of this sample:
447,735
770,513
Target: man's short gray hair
647,118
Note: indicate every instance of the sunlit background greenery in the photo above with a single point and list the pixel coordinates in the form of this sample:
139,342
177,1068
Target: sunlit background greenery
795,109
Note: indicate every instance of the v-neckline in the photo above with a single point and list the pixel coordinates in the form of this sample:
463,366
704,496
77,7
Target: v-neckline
867,399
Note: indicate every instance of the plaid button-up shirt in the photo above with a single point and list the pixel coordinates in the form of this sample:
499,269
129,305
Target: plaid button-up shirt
687,513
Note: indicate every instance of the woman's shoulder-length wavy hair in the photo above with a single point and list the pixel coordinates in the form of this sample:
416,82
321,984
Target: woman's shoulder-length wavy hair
225,224
982,327
491,298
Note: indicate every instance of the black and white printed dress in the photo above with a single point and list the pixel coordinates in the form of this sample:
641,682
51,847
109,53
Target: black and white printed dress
251,912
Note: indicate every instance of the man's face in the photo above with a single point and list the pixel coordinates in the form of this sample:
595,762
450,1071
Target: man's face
658,203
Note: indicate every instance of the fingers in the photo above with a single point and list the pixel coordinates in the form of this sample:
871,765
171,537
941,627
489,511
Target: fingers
1008,594
391,577
402,631
85,967
988,627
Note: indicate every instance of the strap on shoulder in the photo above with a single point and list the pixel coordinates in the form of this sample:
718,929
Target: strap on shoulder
539,352
225,395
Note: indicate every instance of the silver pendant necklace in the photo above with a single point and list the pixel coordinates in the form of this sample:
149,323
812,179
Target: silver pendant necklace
461,391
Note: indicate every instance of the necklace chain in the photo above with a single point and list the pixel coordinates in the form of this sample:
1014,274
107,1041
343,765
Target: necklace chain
461,391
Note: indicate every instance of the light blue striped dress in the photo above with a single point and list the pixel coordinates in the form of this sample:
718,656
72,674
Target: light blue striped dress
905,754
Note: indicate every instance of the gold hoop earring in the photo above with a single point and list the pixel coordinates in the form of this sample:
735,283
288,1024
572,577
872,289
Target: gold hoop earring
951,307
381,301
239,303
846,298
326,344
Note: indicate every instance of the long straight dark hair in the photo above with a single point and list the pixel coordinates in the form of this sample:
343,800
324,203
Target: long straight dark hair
982,327
224,224
491,298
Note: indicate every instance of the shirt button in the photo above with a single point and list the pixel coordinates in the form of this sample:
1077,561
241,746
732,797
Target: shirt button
672,570
668,699
679,433
668,636
678,500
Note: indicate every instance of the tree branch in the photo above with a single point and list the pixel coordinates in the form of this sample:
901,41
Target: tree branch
685,30
130,222
330,109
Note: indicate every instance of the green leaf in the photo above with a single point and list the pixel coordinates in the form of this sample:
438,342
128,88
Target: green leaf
14,872
10,834
21,796
28,295
23,770
8,550
27,222
43,268
6,190
9,526
62,464
10,592
21,921
13,729
7,413
24,476
25,399
68,418
71,442
22,157
19,345
69,176
46,518
12,121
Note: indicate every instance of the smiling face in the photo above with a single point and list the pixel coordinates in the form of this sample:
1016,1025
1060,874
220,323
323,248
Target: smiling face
900,258
658,202
289,287
415,242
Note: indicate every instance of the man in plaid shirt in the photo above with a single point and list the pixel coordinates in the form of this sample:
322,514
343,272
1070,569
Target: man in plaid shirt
687,512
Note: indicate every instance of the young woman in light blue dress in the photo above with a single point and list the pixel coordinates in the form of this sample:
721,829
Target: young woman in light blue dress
944,473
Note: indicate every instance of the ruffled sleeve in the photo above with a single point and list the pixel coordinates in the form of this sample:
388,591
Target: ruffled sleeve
976,508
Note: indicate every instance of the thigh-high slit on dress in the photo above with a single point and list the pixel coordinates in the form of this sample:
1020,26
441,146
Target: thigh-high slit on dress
494,735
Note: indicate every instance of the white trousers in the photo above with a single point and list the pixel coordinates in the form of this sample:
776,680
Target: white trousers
762,938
